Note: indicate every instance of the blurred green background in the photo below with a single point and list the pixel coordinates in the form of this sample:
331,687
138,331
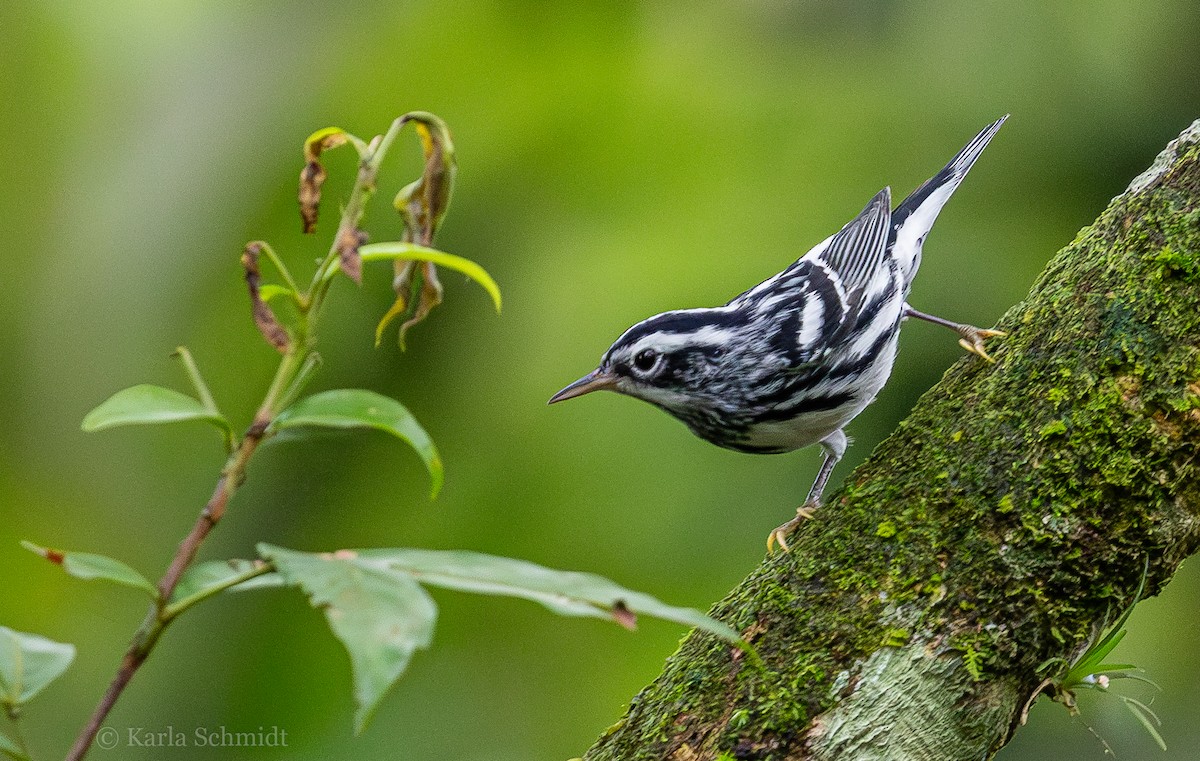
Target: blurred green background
615,160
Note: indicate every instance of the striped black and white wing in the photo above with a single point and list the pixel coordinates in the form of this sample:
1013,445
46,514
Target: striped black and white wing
855,254
810,307
855,259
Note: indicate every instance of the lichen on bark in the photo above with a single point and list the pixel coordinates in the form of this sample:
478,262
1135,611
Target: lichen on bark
1004,524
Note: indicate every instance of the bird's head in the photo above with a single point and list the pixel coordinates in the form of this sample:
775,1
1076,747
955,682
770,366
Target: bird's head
669,360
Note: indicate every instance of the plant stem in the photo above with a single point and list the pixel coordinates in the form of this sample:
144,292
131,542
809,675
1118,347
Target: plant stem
206,397
154,624
293,366
171,611
281,268
193,373
14,716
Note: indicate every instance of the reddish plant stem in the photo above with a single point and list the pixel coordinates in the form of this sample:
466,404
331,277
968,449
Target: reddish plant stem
150,630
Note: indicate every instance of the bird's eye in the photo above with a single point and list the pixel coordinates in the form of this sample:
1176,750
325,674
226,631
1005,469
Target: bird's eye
645,360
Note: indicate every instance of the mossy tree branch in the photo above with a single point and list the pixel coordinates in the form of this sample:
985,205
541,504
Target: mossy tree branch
1005,523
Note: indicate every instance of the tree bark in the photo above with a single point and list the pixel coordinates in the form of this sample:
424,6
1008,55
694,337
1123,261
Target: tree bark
1005,523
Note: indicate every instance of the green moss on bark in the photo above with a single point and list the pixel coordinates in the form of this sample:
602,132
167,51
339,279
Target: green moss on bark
1003,524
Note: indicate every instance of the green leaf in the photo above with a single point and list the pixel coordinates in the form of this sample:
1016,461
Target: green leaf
381,616
11,749
84,565
209,575
1148,719
568,593
29,662
271,290
412,252
146,404
376,607
357,408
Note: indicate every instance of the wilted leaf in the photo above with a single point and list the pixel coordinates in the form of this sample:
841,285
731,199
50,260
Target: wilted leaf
264,318
569,593
423,203
216,573
348,244
312,176
428,295
84,565
145,405
29,662
379,615
358,408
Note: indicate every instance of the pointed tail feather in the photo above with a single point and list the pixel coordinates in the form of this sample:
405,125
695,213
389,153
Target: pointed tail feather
913,218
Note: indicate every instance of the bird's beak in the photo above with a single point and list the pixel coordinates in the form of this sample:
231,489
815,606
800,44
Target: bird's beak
594,381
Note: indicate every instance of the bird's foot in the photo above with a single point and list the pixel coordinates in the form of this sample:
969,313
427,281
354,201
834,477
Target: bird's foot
973,338
781,533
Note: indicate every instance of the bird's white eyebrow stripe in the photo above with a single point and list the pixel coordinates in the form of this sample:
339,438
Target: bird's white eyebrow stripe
667,342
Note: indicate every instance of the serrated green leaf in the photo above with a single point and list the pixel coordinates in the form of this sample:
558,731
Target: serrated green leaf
215,573
381,616
146,405
358,408
9,748
29,662
412,252
568,593
84,565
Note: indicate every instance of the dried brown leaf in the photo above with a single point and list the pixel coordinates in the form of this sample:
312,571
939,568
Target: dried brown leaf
264,318
347,246
312,176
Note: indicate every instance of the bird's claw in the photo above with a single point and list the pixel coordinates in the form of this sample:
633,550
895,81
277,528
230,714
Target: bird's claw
780,534
973,338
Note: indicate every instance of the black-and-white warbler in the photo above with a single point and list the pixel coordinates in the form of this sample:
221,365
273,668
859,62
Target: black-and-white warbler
794,359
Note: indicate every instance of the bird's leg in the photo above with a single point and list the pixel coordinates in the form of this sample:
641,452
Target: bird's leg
834,446
972,337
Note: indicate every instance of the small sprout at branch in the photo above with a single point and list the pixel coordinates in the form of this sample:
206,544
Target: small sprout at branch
312,176
84,565
273,291
264,318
